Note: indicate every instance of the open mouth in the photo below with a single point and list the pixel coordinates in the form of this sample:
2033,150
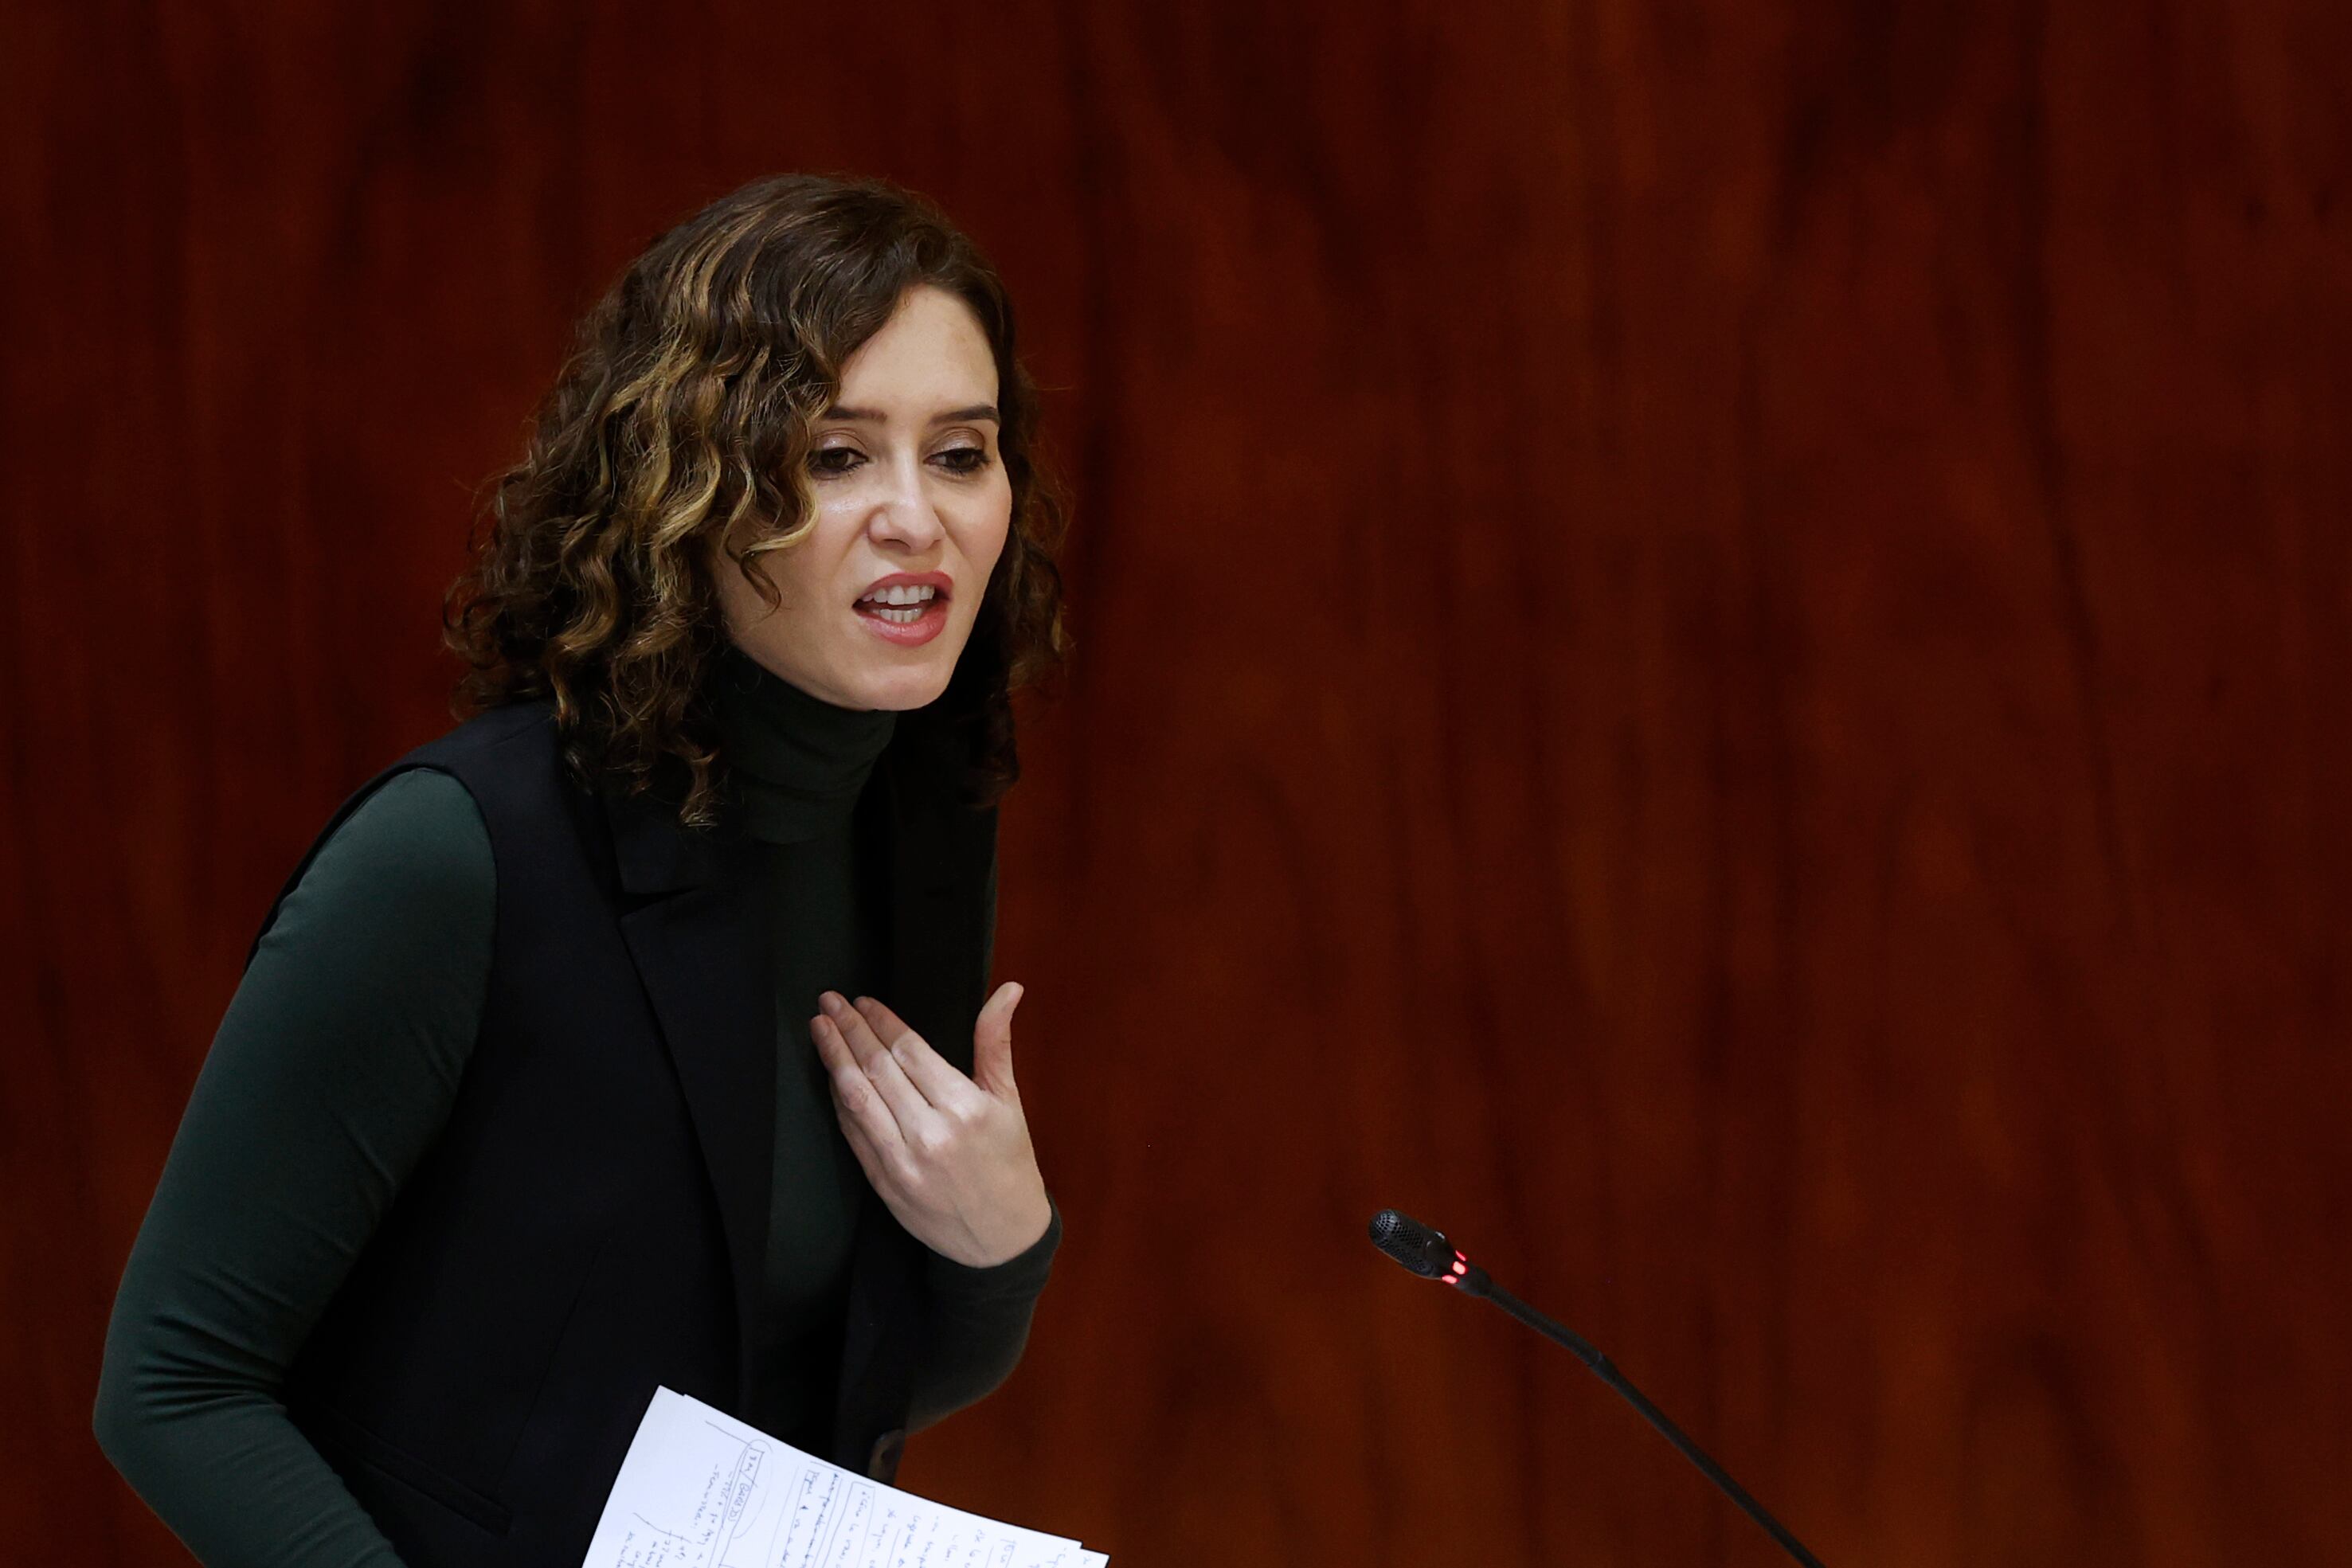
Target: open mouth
906,614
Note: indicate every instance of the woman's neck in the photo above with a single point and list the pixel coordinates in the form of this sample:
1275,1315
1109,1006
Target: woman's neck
795,762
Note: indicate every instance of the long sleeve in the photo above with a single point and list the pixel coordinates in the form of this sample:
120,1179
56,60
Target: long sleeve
979,1325
332,1070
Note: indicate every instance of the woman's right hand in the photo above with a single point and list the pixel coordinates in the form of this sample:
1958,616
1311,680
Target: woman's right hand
950,1154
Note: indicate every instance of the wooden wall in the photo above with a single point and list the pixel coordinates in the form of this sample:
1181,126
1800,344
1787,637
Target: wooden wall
1714,642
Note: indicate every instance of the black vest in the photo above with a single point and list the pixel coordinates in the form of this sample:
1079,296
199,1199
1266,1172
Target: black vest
591,1222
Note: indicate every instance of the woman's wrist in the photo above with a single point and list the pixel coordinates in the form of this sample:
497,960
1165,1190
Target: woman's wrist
1024,1271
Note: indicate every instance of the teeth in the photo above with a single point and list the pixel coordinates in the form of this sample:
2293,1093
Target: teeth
900,595
906,617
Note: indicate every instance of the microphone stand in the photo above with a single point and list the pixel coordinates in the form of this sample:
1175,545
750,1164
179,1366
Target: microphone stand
1427,1253
1476,1283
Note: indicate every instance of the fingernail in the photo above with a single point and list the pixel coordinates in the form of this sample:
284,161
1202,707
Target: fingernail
829,1002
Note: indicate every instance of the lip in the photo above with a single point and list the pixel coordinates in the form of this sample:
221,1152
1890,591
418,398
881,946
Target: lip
915,633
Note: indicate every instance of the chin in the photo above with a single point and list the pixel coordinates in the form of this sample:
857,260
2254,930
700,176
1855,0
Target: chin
905,689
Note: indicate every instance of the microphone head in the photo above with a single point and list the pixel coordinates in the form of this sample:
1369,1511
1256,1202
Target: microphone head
1424,1251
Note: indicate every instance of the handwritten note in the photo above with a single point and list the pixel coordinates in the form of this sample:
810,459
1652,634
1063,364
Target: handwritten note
702,1489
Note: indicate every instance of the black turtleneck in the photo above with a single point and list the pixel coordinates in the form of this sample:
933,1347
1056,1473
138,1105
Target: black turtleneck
336,1065
796,765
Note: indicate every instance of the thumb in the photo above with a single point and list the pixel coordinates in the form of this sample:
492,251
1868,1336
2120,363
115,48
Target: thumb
992,1040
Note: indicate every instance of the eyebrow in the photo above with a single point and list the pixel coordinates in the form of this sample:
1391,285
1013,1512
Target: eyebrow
876,416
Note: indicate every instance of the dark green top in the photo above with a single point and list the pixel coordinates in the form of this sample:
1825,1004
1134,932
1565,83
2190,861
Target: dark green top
336,1065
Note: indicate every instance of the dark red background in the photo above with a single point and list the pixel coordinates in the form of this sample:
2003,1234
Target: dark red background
1714,652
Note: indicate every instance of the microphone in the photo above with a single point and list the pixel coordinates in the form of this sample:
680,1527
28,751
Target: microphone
1428,1254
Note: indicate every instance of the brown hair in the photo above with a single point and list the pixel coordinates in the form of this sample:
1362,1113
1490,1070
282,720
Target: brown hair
684,415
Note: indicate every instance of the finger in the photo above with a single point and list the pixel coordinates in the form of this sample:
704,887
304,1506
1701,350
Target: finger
831,1048
991,1041
887,1025
854,1031
941,1082
882,1070
870,1157
862,1106
890,1169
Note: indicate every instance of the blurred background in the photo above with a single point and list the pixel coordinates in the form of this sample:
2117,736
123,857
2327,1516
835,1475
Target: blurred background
1713,651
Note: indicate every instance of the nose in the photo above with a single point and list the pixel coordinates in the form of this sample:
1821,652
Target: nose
904,512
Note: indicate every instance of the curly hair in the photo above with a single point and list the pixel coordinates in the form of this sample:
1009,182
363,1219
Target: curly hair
683,416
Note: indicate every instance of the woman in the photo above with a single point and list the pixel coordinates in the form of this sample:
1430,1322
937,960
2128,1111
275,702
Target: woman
559,1071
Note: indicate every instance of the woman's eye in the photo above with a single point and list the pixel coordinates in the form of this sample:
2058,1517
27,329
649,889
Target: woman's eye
828,461
964,459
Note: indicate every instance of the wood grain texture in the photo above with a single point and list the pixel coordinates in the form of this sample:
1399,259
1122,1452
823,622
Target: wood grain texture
1713,642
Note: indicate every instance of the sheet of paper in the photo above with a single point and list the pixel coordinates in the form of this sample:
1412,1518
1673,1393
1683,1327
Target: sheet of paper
702,1489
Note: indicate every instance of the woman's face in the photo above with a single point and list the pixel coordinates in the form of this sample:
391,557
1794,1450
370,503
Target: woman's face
909,485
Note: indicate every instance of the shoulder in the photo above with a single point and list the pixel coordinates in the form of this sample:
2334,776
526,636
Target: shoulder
410,847
416,839
511,758
404,885
421,812
518,726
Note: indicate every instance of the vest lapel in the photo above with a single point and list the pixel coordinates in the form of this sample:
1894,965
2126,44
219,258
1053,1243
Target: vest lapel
701,948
